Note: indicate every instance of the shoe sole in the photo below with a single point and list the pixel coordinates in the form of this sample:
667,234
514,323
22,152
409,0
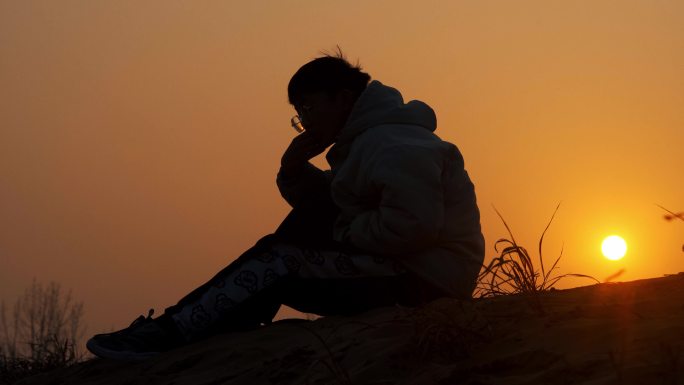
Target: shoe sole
127,356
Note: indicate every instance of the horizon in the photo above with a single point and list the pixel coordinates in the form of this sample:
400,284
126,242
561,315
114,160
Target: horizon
139,143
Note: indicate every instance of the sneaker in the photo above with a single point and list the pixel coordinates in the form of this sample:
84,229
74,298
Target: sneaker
143,339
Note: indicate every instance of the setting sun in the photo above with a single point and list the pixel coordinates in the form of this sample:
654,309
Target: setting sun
614,247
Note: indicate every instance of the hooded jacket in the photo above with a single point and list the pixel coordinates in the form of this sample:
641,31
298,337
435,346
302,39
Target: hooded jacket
402,191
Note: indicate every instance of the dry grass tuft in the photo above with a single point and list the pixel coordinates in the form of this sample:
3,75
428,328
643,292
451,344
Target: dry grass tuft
513,271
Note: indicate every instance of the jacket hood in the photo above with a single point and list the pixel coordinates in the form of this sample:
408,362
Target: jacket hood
377,105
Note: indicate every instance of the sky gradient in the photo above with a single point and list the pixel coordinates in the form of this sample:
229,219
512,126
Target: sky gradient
139,140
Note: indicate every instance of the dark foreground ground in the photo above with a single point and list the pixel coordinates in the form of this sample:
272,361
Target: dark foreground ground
617,333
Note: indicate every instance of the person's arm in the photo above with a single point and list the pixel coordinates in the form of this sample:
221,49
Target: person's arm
299,181
308,185
410,212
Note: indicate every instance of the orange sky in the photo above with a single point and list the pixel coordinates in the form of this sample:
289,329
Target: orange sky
139,140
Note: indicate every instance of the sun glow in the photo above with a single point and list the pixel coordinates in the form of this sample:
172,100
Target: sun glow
614,247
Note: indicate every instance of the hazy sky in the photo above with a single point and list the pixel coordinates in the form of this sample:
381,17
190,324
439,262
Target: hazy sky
139,140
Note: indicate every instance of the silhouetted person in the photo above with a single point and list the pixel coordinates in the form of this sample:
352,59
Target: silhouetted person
394,220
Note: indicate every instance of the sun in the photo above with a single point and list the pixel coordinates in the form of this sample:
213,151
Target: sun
614,247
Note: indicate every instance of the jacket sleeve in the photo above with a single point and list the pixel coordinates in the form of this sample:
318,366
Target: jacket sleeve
410,211
311,185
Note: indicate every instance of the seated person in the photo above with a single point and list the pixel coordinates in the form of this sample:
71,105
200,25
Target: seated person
394,220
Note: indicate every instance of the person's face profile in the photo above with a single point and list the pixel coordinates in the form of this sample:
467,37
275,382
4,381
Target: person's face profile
320,114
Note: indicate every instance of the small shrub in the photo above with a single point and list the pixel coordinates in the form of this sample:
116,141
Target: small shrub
42,332
55,355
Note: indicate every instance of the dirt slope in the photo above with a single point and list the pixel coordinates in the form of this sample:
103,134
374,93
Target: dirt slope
619,333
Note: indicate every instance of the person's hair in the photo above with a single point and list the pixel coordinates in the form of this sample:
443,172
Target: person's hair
330,73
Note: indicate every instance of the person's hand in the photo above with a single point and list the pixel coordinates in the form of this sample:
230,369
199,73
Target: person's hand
303,148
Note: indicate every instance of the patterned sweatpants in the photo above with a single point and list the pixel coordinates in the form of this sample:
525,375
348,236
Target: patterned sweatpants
309,273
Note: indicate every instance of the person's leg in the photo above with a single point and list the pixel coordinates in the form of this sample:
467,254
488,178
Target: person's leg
323,281
146,336
323,277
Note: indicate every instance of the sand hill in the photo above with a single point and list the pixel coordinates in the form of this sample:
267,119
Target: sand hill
616,333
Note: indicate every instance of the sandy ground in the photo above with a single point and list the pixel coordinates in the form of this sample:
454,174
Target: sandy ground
615,333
